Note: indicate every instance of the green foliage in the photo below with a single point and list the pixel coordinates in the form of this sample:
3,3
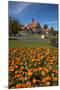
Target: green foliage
45,26
56,66
38,25
14,27
54,42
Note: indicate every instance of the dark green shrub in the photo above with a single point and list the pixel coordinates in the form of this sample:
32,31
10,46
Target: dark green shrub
54,42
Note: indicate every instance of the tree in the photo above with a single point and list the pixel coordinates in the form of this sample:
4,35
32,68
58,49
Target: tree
38,25
45,26
38,28
54,32
52,29
14,26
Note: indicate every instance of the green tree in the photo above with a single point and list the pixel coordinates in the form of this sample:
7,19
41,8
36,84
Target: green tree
14,27
38,25
52,29
38,28
54,32
45,26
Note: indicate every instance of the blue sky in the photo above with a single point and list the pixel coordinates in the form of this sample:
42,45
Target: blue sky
44,13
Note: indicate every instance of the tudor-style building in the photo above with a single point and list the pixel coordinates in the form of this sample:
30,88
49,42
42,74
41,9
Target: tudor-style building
32,25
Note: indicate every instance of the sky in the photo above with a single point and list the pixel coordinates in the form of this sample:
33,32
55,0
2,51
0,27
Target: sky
24,12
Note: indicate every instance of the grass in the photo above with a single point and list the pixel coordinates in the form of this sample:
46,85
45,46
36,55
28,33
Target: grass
21,44
33,36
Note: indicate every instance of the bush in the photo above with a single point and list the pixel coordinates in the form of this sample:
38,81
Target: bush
54,42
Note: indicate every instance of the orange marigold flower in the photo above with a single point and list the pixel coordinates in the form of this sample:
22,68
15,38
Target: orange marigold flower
18,75
55,79
21,68
40,68
18,86
22,78
29,73
46,70
39,56
34,81
28,84
16,66
33,59
46,79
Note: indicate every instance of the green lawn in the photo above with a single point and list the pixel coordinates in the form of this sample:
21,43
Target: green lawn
20,43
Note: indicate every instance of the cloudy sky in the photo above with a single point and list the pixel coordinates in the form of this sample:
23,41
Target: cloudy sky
44,13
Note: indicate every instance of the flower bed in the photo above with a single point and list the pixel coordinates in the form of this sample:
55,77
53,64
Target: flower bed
33,67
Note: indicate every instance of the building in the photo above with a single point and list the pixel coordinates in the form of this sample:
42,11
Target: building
32,25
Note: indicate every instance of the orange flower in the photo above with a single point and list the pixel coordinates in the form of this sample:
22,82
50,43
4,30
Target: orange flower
55,79
11,69
22,78
47,51
46,70
34,81
16,71
35,69
29,73
21,68
22,85
28,84
28,77
18,86
55,71
16,66
40,68
46,79
18,75
33,59
47,83
39,56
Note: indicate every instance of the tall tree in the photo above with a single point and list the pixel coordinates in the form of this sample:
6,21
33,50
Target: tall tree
54,32
52,29
45,26
14,26
38,28
38,25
